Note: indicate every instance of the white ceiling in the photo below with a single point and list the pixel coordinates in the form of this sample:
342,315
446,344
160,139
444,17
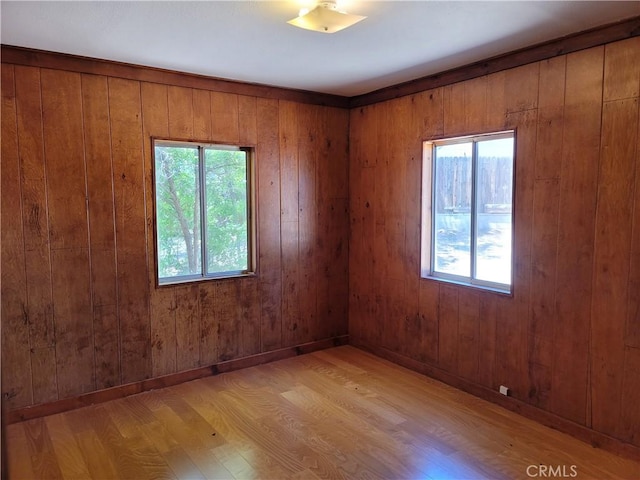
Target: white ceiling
250,41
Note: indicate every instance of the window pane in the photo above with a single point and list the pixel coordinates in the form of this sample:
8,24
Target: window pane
178,211
494,210
226,219
452,219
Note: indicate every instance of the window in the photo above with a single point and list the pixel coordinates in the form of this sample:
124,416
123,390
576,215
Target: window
467,210
203,208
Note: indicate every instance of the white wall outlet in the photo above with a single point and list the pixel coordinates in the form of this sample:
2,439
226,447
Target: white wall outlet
504,390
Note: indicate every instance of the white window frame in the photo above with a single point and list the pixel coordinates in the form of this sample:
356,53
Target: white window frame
427,267
251,220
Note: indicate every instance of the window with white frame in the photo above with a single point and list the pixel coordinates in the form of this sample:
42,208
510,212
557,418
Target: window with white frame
203,211
467,210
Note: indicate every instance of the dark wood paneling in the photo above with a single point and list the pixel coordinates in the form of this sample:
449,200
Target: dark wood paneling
578,184
97,149
565,342
224,117
618,159
16,382
39,305
83,164
125,111
269,239
162,301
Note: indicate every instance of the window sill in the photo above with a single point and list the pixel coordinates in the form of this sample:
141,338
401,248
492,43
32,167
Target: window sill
484,288
229,276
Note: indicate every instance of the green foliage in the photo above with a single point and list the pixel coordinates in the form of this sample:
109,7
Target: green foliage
226,227
178,214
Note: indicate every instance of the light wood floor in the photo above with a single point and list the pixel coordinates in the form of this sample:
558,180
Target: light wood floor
338,413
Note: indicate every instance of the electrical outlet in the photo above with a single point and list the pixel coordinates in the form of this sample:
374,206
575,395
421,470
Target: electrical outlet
504,390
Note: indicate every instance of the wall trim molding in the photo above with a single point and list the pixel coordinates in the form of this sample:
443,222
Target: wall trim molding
601,35
543,51
74,63
585,434
121,391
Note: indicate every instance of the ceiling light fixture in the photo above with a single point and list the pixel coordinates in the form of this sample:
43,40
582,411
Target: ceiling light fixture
325,18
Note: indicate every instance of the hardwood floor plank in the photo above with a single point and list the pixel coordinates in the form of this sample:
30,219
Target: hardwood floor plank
70,456
19,463
335,414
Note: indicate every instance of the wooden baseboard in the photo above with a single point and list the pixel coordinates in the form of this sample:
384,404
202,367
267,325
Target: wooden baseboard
100,396
596,439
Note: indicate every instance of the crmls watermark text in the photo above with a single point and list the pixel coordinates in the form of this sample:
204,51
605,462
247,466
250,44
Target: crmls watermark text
551,471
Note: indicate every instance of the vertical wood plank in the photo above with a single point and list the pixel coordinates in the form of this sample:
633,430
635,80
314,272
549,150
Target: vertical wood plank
361,231
201,115
454,114
581,140
428,112
632,334
333,165
336,303
526,142
208,325
544,258
290,289
468,334
268,195
429,317
288,134
250,318
16,381
35,225
130,214
550,118
546,210
63,140
95,109
180,111
364,127
227,315
162,301
448,328
496,101
622,70
412,228
487,339
475,104
106,345
74,321
187,327
630,413
521,88
309,143
224,117
247,120
68,217
616,182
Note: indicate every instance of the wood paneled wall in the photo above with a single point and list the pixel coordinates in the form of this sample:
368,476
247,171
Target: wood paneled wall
568,340
80,310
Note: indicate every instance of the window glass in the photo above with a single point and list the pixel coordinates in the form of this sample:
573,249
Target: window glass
178,211
203,224
452,227
494,210
227,235
468,210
